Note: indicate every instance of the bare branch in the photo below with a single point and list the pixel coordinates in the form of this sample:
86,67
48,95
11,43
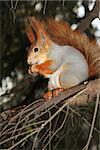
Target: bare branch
93,121
44,9
90,16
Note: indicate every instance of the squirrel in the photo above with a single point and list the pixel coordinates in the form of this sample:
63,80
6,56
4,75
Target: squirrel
57,52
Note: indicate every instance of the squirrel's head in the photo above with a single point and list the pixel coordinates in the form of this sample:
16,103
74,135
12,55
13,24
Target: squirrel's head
39,40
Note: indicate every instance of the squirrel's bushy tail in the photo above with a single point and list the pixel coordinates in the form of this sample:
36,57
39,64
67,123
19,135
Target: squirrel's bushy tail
61,33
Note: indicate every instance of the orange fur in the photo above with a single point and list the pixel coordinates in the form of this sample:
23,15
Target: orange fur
62,34
35,24
41,35
44,68
38,28
30,34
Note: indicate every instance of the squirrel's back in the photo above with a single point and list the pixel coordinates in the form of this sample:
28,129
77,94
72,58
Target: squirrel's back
62,34
72,60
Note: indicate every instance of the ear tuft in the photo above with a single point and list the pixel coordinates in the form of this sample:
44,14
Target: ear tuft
30,34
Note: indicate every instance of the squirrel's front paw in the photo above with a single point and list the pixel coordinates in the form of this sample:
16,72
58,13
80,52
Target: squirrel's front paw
32,69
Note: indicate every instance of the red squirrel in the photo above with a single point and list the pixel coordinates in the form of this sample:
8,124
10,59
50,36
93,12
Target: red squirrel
57,52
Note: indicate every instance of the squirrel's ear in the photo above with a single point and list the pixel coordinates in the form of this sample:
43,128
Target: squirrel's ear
43,38
37,30
35,27
30,34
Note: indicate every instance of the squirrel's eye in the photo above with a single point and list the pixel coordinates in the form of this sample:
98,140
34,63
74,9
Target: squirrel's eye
36,49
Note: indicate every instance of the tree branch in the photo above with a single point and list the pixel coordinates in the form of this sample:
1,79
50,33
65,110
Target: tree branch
84,24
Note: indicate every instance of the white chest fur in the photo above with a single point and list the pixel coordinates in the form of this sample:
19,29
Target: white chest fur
70,64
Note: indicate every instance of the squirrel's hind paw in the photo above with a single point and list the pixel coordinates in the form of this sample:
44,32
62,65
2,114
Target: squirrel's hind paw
51,94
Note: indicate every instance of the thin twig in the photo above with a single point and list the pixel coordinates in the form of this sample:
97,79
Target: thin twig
50,131
56,121
44,9
18,122
23,139
63,2
13,137
84,119
93,121
57,129
15,7
23,112
10,130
